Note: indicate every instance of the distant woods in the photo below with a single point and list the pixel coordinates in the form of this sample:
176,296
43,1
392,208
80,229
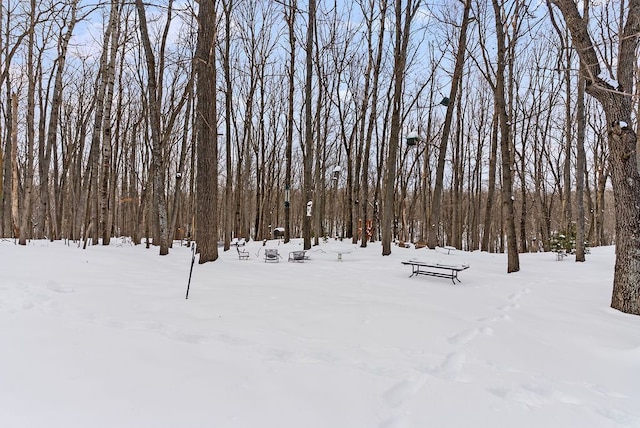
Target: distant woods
224,119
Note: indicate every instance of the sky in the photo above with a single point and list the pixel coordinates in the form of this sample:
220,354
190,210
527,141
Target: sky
105,338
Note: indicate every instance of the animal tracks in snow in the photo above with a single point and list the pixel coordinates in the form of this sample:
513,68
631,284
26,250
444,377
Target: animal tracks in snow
467,336
514,300
451,366
57,288
534,395
403,390
464,337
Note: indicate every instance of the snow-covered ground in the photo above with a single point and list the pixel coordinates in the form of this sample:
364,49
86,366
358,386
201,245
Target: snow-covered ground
104,338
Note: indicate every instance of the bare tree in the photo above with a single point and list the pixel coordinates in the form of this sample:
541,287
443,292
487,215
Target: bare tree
159,197
617,103
227,6
513,261
308,126
436,201
14,166
581,159
91,179
290,17
402,36
374,65
26,222
207,135
106,127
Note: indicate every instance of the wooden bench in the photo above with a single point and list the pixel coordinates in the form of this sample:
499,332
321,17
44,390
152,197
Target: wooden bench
298,256
242,254
439,270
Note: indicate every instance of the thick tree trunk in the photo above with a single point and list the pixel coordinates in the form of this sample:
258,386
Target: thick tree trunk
626,187
624,159
207,135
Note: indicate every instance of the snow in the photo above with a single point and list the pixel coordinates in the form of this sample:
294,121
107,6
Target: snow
104,337
609,80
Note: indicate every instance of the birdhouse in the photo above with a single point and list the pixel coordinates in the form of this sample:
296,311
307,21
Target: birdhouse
335,174
413,138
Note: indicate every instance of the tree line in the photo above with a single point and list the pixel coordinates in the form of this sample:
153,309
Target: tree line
490,126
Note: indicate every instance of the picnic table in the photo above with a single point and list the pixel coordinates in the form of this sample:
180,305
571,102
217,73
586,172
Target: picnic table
440,270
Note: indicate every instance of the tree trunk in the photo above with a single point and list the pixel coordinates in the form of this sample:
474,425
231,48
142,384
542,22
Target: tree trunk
580,168
436,202
207,135
15,183
228,107
159,198
402,35
308,129
567,214
92,170
491,187
290,17
7,167
513,261
182,163
373,117
106,126
617,104
26,223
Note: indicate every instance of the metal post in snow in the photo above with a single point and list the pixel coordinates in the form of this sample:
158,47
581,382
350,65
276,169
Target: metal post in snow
193,258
